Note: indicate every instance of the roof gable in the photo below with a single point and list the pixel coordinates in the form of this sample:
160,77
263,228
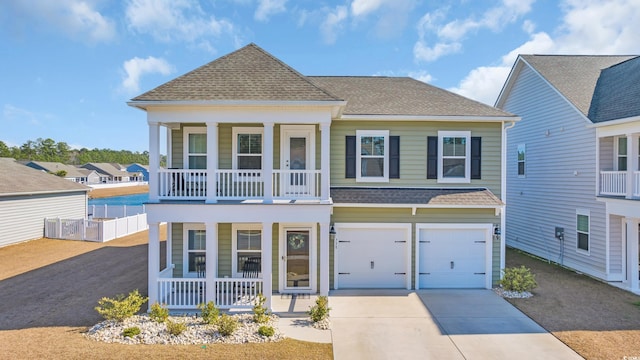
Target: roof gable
247,74
617,92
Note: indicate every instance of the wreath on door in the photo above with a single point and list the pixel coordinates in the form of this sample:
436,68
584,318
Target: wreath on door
296,241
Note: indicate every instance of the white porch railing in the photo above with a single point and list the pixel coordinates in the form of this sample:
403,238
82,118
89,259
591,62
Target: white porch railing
181,184
297,184
183,293
613,183
240,184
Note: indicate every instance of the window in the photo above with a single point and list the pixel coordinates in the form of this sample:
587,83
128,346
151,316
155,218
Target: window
247,148
247,244
582,229
195,245
372,155
195,147
521,158
453,164
621,154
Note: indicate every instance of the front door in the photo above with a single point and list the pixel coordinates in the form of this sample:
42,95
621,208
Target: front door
297,159
296,259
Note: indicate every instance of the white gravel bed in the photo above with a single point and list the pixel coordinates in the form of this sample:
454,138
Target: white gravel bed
512,294
197,332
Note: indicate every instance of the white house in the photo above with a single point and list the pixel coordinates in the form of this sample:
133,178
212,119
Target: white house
319,183
28,196
572,162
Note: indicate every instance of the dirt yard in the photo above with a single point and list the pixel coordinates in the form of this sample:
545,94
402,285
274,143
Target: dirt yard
119,191
595,319
48,289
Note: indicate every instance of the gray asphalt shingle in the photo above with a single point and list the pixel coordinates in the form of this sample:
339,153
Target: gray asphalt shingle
16,178
426,196
617,93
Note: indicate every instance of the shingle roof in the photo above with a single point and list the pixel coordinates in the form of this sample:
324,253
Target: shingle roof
54,167
106,169
574,76
431,197
249,73
16,178
617,93
378,95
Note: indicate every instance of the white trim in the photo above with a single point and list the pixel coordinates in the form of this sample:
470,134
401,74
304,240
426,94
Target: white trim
185,246
487,227
372,133
186,131
309,131
407,227
236,130
467,160
234,245
587,213
448,118
620,121
313,257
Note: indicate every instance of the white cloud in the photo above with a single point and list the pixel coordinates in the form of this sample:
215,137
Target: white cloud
364,7
426,53
135,68
588,27
78,19
11,113
178,20
333,23
421,75
266,8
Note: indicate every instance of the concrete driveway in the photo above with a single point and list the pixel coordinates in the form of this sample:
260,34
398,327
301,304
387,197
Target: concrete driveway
436,324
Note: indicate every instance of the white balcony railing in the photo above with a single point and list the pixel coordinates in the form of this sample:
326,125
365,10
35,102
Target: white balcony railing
636,184
185,184
183,293
613,183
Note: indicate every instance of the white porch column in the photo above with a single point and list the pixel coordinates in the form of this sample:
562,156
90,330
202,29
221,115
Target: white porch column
632,253
211,256
153,263
324,162
212,162
324,258
267,163
632,163
154,161
267,265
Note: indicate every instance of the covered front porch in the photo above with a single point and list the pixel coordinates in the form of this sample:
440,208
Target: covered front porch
232,262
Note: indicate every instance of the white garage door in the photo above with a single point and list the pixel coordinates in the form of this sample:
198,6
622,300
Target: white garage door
453,256
372,256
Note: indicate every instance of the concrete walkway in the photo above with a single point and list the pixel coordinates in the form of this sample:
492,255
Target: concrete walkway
436,324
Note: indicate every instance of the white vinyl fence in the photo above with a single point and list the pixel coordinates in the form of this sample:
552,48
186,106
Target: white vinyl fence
114,211
91,230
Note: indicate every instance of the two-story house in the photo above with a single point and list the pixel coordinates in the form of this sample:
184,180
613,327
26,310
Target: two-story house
572,173
319,182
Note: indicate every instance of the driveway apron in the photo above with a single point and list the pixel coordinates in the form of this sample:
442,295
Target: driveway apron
436,324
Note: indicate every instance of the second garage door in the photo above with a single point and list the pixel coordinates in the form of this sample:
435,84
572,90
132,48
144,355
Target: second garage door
454,256
373,256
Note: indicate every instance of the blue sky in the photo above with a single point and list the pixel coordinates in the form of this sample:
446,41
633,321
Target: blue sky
69,66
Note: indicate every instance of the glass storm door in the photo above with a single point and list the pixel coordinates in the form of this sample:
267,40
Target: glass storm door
296,259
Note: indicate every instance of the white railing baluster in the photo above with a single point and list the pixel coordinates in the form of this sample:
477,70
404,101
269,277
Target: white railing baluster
613,183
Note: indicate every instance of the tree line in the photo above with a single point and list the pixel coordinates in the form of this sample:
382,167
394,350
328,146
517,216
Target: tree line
50,150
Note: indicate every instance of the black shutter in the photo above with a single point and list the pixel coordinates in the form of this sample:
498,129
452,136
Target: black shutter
476,150
350,158
432,157
394,157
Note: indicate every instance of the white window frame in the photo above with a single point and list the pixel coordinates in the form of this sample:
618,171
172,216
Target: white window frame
523,161
617,155
372,133
234,143
234,246
467,156
587,213
185,144
185,247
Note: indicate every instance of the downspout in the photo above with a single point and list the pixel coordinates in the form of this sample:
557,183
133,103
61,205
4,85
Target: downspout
503,192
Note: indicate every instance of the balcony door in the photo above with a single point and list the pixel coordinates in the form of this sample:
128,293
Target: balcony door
298,157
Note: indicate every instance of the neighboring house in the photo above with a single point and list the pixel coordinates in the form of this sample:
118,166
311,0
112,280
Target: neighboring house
28,196
112,173
79,175
572,162
142,171
326,182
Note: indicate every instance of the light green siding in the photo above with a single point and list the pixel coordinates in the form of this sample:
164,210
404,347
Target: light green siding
413,151
394,215
176,248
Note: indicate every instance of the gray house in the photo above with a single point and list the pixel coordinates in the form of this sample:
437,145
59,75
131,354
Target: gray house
573,183
28,196
72,173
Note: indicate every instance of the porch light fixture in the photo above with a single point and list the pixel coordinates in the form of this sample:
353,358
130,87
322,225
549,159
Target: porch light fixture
332,233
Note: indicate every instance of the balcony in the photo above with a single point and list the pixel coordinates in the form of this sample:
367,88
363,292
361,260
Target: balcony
188,184
615,183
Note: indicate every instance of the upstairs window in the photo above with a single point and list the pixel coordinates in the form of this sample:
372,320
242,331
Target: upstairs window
621,154
454,163
521,160
247,148
195,151
372,149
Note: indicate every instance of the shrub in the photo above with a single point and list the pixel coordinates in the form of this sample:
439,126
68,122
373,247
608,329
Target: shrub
320,310
121,307
518,279
176,327
260,315
159,313
210,313
227,325
131,331
267,331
